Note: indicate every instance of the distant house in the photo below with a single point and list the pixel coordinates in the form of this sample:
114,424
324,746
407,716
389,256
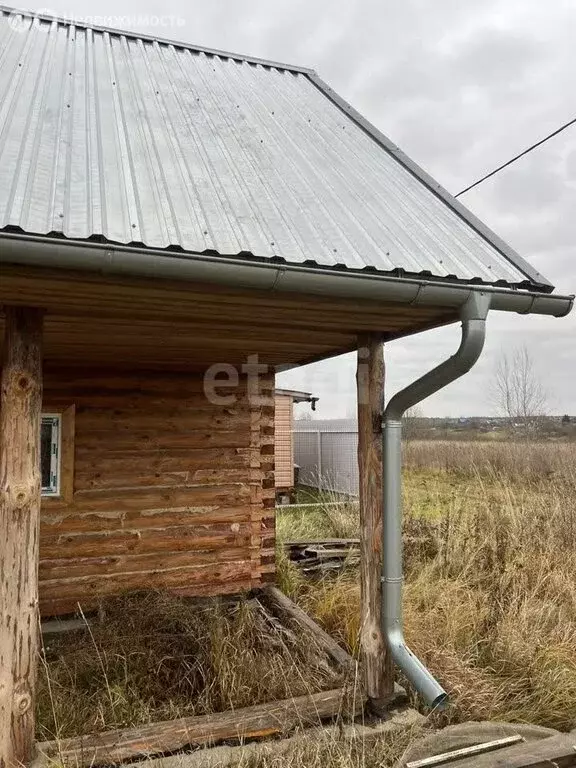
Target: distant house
284,474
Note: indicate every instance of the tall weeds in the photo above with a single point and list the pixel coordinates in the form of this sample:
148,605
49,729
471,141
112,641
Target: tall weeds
490,596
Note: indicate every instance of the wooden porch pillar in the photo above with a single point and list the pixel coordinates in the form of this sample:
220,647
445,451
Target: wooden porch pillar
20,488
376,663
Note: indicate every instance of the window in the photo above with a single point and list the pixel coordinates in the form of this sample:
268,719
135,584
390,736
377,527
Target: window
57,455
50,449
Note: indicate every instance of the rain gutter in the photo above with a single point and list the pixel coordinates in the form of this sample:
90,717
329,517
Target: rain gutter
110,260
473,315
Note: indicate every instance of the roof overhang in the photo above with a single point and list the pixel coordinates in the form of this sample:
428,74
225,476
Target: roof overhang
265,275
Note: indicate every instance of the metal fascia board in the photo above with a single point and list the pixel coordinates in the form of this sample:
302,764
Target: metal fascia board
152,39
491,237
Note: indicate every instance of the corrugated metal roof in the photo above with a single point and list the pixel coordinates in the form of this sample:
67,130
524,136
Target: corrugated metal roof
115,136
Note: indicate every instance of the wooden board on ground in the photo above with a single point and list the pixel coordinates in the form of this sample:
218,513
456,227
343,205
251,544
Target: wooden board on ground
553,752
320,556
285,607
457,755
172,735
282,604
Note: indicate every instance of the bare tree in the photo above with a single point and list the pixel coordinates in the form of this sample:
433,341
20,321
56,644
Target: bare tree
517,391
413,422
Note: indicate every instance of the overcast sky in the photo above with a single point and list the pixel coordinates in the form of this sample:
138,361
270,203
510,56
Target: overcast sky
461,86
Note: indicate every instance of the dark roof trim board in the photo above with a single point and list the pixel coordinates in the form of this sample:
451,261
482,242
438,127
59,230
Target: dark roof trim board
509,253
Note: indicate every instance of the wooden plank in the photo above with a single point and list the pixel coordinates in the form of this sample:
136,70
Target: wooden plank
97,469
161,298
92,478
164,481
321,556
142,439
61,626
248,723
175,419
163,324
20,484
321,542
459,754
149,500
282,605
288,507
376,662
554,752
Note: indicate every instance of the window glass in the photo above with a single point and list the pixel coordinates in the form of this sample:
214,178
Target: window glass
50,455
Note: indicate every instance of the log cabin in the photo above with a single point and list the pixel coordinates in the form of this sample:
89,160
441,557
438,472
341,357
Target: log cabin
176,224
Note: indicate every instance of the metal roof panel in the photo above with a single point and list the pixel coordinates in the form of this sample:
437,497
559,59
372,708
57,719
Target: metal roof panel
134,140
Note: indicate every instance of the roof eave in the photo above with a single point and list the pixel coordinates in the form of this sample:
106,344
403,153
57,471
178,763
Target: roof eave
102,258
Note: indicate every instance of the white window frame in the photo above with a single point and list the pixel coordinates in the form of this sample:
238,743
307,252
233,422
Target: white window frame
55,419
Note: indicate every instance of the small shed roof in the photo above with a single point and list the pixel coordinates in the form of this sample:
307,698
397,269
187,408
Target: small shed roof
119,138
297,395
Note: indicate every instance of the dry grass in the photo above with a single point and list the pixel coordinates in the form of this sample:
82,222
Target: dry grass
491,585
327,752
155,657
508,460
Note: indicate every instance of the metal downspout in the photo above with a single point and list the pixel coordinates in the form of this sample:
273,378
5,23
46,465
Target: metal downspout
473,315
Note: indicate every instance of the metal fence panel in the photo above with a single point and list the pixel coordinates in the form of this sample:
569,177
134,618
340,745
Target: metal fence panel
327,460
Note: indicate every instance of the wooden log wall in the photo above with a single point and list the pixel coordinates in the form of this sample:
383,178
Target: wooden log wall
170,491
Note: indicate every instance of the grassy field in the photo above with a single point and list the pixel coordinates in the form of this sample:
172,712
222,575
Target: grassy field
490,536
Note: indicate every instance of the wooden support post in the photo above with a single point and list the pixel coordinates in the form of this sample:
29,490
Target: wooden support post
376,662
20,487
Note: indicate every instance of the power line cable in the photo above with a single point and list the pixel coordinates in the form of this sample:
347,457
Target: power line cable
517,157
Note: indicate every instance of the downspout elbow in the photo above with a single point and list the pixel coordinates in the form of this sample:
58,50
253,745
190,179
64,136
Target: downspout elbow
428,688
473,315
